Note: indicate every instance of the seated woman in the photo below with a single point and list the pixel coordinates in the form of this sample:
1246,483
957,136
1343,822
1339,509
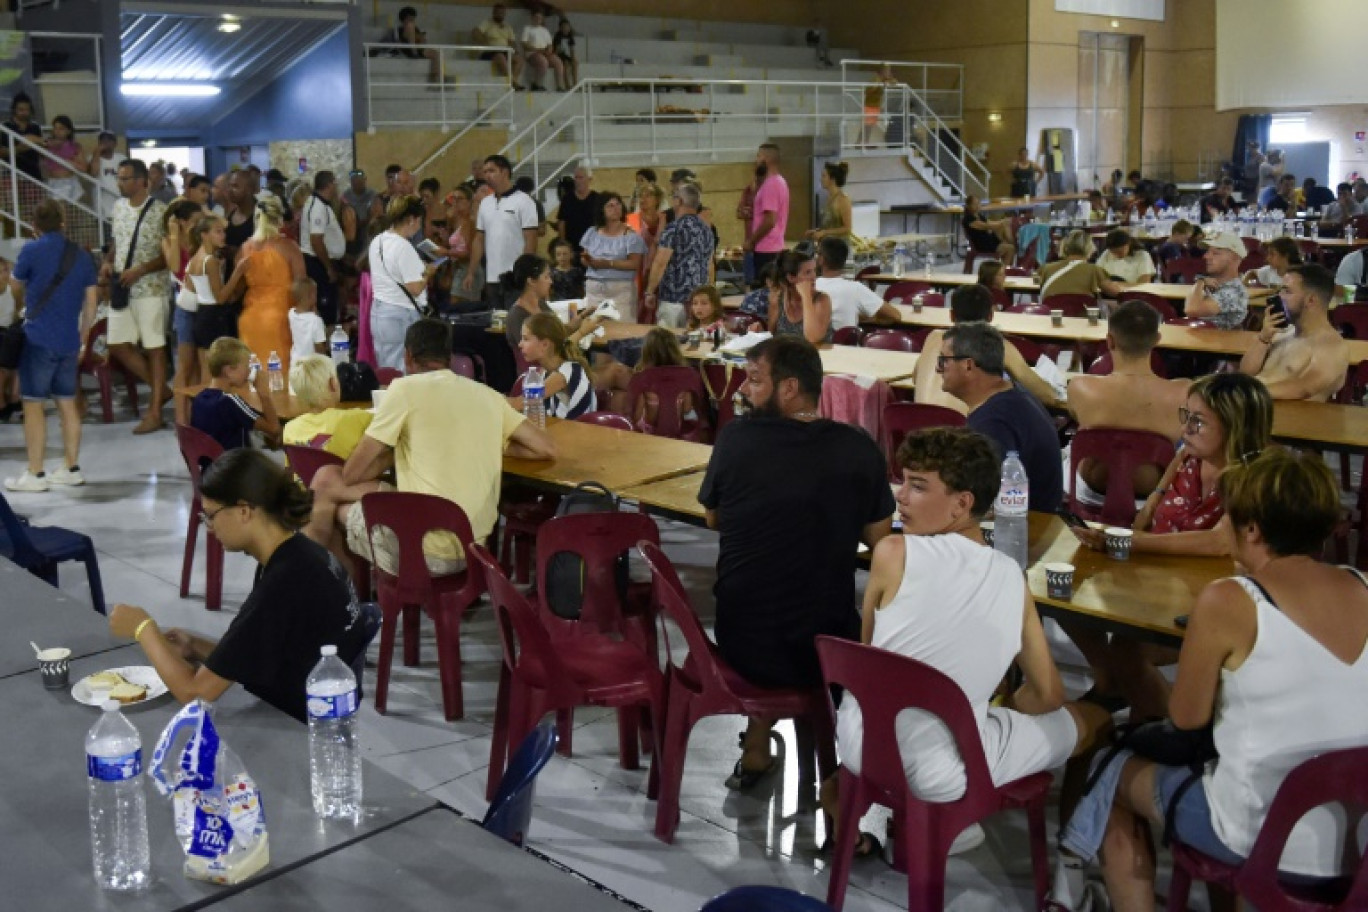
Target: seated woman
801,310
1124,261
545,343
992,237
939,595
1282,254
324,425
1275,660
302,599
1072,273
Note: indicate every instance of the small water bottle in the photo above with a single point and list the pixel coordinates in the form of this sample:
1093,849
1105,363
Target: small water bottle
341,346
930,264
274,374
253,367
118,807
334,746
741,406
1349,232
899,261
1009,512
534,396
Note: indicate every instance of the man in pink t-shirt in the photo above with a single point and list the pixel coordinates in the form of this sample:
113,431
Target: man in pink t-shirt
769,218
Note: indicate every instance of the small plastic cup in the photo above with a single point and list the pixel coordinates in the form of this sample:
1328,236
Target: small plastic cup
1057,317
1119,542
1059,580
1094,314
54,665
986,527
695,338
918,302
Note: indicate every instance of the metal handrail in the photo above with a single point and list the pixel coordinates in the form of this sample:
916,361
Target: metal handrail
98,82
486,114
15,142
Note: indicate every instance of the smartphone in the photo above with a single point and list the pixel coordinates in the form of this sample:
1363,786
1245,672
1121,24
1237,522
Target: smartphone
1276,305
1073,519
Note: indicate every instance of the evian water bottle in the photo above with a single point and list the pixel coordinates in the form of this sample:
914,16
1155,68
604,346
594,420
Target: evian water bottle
1009,513
334,751
118,808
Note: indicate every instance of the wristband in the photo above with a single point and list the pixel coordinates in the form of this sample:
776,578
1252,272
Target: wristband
137,631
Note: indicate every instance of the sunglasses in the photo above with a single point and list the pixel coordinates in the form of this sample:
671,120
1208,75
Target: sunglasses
942,360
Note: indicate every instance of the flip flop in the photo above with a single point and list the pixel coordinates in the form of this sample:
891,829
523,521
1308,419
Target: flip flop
742,779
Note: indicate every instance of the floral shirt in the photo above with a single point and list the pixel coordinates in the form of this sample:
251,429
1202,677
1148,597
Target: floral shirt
691,241
1233,300
1183,508
152,285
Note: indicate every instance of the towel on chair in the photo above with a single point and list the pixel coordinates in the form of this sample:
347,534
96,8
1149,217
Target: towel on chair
855,400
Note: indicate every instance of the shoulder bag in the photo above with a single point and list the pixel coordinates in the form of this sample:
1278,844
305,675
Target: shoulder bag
119,294
422,311
13,341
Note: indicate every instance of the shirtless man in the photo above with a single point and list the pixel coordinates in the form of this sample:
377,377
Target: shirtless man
1310,363
967,304
1132,396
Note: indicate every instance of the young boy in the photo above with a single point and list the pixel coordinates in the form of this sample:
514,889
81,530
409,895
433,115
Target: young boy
221,411
308,335
1179,243
567,278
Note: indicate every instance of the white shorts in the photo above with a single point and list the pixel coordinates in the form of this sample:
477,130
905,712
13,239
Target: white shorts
143,322
385,553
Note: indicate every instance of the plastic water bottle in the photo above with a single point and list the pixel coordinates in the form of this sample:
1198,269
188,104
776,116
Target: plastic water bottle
341,346
534,396
1009,513
253,367
930,264
334,748
274,375
1349,232
118,808
900,260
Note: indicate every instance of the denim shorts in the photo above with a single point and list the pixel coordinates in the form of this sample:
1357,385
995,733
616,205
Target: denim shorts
1192,817
183,325
44,374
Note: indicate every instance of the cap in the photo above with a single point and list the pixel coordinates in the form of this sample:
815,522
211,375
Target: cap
1226,240
327,650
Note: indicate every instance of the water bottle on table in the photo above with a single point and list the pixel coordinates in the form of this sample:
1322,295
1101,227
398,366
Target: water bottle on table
534,396
899,260
930,265
118,808
1009,512
274,375
334,749
341,346
253,367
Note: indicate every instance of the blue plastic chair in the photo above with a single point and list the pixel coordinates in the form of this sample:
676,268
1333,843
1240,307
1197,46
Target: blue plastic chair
510,813
39,549
764,899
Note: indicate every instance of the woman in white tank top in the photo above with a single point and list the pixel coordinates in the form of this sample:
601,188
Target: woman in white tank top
1278,660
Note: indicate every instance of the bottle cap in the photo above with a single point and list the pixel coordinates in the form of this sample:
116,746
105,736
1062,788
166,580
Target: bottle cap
328,650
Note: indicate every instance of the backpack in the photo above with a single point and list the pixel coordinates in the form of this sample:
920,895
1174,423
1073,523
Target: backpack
565,571
356,381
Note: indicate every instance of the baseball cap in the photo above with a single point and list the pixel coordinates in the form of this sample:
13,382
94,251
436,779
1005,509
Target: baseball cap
1225,240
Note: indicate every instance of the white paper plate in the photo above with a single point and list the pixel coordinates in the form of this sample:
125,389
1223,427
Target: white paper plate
142,675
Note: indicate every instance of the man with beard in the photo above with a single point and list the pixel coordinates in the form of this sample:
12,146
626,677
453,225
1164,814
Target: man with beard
1310,362
792,495
769,213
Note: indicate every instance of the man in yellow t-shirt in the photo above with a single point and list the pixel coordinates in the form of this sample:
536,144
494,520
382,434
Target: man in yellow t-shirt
445,435
496,33
314,382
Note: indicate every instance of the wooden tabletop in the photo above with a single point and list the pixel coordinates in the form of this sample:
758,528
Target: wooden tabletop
1325,423
1178,291
287,406
675,497
1023,284
616,459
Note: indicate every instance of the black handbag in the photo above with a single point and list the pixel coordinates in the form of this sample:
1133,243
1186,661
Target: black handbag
119,293
14,339
356,381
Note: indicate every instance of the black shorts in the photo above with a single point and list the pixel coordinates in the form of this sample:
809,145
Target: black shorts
213,321
774,662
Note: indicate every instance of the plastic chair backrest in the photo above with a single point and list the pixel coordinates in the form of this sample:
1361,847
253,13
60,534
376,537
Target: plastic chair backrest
1310,251
1165,309
387,375
464,365
410,516
1254,260
1073,305
905,290
702,670
607,419
1351,320
1002,298
1184,269
1030,351
932,299
197,448
902,418
764,899
524,639
1331,778
738,323
866,272
510,813
848,335
723,379
1020,272
23,551
305,461
884,684
1123,451
669,383
892,340
90,357
1104,366
599,540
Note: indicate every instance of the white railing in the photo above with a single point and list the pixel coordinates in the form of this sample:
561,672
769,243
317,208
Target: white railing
941,85
87,209
487,102
94,105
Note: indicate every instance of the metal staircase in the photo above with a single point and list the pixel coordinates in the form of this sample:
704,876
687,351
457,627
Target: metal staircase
87,214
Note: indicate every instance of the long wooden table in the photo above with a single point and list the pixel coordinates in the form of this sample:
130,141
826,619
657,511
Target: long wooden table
616,459
287,406
1326,424
1173,291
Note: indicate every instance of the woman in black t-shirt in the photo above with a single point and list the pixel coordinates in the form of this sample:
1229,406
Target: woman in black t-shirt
302,598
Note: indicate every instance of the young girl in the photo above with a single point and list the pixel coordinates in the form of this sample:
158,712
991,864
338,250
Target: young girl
214,316
705,310
567,277
992,275
62,143
1282,254
177,247
660,348
569,388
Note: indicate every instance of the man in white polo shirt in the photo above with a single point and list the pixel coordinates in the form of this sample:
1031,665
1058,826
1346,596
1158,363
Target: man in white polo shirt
505,228
324,243
852,303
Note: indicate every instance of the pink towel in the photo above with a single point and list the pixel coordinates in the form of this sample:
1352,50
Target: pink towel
856,400
365,346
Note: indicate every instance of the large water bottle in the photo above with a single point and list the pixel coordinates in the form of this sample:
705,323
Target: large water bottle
274,375
930,265
334,751
1009,513
118,808
341,346
899,260
534,396
1349,232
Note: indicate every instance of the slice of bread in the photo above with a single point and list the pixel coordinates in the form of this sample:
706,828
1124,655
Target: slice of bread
106,679
125,692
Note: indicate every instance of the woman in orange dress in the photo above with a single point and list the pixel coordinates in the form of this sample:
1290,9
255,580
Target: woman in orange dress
269,264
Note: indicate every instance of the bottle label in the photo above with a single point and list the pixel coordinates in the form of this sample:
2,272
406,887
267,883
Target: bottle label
114,769
1012,501
337,707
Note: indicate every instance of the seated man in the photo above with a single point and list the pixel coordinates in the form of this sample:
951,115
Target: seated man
220,410
971,303
324,426
1132,396
496,33
1353,271
1219,202
1281,198
1344,208
971,366
793,495
445,435
406,31
1221,296
987,236
1310,362
852,303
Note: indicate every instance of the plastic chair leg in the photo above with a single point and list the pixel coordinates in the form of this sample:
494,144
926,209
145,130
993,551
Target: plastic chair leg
674,748
629,722
565,731
449,664
191,539
412,633
852,808
107,399
388,622
1040,853
93,576
498,743
1180,885
213,585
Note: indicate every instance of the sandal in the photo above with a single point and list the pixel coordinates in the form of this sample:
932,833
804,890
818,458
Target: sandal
867,845
742,779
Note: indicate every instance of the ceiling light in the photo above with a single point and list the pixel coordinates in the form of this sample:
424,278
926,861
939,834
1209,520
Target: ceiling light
149,144
994,117
229,26
170,89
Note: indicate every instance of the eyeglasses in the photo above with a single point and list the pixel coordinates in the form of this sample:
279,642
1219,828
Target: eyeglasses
1191,420
208,518
942,359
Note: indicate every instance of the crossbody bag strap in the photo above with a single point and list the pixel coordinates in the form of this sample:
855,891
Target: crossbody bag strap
402,287
1051,280
69,253
137,227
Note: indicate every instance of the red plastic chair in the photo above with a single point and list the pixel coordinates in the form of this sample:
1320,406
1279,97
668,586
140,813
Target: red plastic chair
1002,298
739,323
894,340
884,684
1311,251
537,677
387,375
906,290
669,384
902,418
848,335
1255,260
98,363
1351,320
607,419
1123,451
411,516
723,381
705,685
1162,305
1103,365
1073,305
1184,269
865,273
197,448
1029,350
1332,777
466,366
305,461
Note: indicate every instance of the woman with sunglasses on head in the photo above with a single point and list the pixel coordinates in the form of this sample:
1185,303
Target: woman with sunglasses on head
302,598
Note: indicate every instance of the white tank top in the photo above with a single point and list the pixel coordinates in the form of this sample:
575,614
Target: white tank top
203,290
1288,702
958,609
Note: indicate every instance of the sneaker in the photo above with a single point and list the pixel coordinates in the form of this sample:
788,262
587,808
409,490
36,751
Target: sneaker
70,476
970,839
28,482
1094,898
